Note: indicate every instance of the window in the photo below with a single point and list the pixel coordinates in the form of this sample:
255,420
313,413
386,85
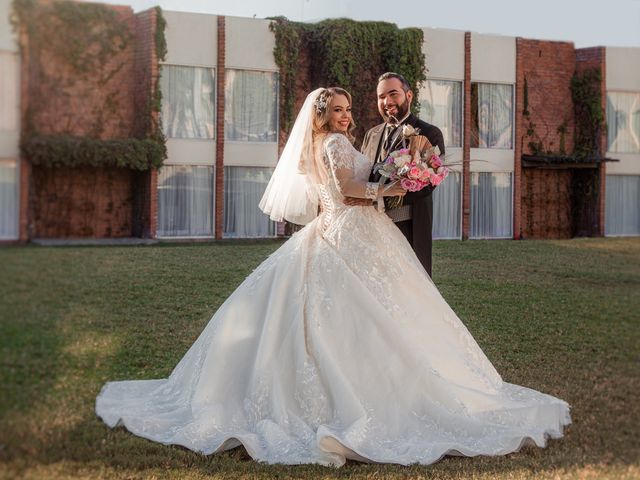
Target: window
623,122
188,102
491,115
9,92
185,201
441,106
243,189
251,106
491,203
8,199
447,207
622,205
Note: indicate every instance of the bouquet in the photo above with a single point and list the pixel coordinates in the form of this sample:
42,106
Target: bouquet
415,167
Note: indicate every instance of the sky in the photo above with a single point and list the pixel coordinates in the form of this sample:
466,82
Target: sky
586,23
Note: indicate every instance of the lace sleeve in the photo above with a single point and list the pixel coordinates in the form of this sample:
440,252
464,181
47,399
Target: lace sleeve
340,157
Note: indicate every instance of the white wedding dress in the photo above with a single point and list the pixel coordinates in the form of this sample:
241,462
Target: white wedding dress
337,346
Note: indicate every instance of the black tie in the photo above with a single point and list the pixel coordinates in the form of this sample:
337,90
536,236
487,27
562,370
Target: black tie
388,142
387,136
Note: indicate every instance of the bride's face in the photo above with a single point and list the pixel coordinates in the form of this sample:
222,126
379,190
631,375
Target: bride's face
339,114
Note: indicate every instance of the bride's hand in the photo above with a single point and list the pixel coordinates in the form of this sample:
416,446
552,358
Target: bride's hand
393,190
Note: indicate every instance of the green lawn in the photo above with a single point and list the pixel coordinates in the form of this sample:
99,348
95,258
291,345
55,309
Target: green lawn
558,316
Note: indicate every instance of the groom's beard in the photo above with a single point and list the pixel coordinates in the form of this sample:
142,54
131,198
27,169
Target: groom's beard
401,111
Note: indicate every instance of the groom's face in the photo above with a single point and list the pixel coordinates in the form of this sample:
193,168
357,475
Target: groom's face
392,99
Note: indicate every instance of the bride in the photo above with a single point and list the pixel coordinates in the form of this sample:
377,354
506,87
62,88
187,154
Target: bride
338,345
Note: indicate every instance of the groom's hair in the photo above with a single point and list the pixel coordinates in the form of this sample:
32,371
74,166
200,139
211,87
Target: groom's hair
406,86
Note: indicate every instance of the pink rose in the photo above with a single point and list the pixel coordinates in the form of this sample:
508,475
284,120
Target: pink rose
424,176
410,185
414,173
435,161
435,180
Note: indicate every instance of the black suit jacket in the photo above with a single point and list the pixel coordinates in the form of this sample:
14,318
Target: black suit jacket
418,229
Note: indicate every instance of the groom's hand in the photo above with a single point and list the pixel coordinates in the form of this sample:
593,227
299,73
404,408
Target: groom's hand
357,202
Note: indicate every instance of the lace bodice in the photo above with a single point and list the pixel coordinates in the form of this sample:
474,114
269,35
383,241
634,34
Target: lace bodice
348,172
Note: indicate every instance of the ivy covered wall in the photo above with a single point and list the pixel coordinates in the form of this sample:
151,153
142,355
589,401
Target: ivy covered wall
344,53
91,99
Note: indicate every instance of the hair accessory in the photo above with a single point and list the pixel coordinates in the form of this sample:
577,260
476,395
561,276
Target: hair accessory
321,102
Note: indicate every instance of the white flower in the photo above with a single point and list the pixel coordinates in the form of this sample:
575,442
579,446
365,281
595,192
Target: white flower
401,160
403,170
408,131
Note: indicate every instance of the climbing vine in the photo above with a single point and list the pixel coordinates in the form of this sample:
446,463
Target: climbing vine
288,37
541,145
161,40
74,53
345,53
154,131
70,151
589,114
65,30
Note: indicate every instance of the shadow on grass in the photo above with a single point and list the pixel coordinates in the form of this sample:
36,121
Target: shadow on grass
31,314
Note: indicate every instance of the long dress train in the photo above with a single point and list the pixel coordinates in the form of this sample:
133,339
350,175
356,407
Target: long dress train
337,346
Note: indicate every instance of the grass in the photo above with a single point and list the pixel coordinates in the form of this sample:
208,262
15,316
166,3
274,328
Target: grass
558,316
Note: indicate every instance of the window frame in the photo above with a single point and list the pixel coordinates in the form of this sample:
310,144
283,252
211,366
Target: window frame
214,107
512,116
462,101
277,105
609,140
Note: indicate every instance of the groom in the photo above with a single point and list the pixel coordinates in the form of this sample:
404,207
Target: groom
415,217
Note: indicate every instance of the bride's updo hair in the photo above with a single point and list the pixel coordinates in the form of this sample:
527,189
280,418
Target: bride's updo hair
322,111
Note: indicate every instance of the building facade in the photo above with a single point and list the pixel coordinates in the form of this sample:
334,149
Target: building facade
622,199
497,100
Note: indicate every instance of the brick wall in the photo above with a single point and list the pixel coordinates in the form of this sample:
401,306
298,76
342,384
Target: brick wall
105,103
542,203
546,203
589,58
220,90
145,184
466,146
517,147
82,202
25,223
548,68
77,105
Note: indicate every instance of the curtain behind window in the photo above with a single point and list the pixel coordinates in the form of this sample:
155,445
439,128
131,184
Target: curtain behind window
491,205
622,205
442,107
188,102
623,122
251,100
491,115
185,201
243,189
8,199
447,208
